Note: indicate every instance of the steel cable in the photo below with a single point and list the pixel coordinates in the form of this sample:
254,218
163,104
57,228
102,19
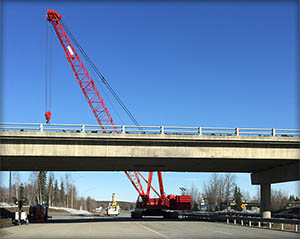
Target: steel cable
48,70
101,77
109,101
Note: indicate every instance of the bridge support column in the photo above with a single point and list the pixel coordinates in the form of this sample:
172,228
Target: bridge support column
265,200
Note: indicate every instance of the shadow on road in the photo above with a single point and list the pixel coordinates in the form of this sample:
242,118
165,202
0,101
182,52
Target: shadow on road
106,219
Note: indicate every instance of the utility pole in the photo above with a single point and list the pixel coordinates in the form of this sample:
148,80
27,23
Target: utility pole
9,194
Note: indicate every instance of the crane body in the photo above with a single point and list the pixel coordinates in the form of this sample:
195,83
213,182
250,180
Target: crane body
166,206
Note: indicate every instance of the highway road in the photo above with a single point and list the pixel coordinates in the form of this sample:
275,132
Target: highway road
66,226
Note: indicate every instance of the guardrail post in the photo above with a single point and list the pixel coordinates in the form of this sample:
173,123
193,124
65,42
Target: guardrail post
162,129
273,132
83,128
42,127
123,131
200,130
250,224
237,131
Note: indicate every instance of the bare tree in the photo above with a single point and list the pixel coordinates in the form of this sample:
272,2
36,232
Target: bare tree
279,200
4,194
229,183
246,196
256,197
50,188
219,189
68,189
210,192
30,193
16,184
32,187
21,193
55,193
62,194
88,203
193,191
91,204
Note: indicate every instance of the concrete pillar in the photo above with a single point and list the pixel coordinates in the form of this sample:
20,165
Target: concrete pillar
265,200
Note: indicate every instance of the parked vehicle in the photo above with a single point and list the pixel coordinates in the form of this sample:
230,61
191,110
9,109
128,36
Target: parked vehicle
38,213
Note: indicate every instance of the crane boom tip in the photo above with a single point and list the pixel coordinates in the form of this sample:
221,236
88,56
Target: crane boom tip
51,14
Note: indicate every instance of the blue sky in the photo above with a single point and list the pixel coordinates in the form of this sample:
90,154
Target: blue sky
173,63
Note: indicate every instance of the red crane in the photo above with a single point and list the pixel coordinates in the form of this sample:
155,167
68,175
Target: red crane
163,205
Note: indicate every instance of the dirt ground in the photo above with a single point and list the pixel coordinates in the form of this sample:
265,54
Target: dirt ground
5,222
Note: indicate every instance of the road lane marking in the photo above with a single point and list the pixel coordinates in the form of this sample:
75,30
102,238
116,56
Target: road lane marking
229,234
151,230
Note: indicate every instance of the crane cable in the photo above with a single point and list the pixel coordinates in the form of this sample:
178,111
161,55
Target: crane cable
47,77
101,77
46,70
111,104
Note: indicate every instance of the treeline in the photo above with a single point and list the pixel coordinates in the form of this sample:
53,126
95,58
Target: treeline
43,187
222,191
218,193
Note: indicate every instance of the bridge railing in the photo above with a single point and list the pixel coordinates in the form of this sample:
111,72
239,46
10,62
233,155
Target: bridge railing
250,221
129,129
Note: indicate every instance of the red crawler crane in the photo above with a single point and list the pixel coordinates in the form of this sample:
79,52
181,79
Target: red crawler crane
166,206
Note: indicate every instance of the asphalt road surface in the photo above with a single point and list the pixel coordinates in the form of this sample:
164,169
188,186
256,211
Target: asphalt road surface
66,226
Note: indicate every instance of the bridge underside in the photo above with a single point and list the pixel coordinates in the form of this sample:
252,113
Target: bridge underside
30,163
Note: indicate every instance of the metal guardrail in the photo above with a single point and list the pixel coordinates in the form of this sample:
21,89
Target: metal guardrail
268,223
127,129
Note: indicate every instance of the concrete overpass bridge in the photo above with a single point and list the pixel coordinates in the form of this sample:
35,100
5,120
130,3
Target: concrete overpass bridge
269,155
